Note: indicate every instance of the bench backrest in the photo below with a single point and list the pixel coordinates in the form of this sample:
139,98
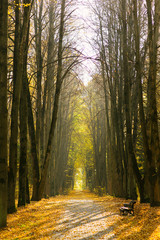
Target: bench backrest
131,204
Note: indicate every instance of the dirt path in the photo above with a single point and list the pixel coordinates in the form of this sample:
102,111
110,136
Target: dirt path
83,218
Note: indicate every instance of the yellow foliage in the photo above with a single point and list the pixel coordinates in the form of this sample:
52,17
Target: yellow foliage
22,4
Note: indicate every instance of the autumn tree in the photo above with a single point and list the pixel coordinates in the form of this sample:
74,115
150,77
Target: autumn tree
97,122
127,53
81,162
108,42
23,115
60,76
64,131
153,14
19,46
38,8
3,111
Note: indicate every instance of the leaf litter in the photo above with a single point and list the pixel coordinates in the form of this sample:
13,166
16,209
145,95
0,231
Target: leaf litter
82,216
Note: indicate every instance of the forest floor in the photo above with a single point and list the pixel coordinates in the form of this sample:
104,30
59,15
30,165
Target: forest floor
82,216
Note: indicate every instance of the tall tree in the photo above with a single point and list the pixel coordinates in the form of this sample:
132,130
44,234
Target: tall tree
38,46
19,46
98,130
153,13
3,111
56,101
138,68
23,133
63,132
33,150
127,102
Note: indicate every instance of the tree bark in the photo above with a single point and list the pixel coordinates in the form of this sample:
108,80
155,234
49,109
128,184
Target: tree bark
23,132
56,101
33,146
110,81
14,116
152,117
138,68
131,154
23,149
20,41
3,111
39,60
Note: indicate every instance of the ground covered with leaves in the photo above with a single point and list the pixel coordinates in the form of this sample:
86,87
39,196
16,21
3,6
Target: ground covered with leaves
82,216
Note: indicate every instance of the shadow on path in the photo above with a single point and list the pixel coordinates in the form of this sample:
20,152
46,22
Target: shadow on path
84,219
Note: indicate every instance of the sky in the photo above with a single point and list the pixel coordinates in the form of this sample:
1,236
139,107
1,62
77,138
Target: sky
85,36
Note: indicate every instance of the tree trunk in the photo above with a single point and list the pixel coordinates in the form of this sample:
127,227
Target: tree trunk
113,128
38,32
3,111
140,96
14,117
56,101
49,84
152,117
33,147
23,137
27,188
20,41
127,93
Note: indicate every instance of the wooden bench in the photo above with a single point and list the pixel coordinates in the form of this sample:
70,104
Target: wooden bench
128,208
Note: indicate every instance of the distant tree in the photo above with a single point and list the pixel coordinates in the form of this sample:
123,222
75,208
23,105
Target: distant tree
97,120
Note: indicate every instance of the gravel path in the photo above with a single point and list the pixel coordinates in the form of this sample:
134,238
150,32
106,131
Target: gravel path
84,219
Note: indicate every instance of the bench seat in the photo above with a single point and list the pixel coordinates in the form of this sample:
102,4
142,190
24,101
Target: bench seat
128,208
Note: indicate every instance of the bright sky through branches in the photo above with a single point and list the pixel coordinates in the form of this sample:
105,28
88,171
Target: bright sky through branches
84,38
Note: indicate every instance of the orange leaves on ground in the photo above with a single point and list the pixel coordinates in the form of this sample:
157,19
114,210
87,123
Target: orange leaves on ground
35,221
45,219
145,224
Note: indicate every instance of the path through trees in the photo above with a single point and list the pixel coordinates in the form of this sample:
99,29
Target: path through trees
56,131
82,215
